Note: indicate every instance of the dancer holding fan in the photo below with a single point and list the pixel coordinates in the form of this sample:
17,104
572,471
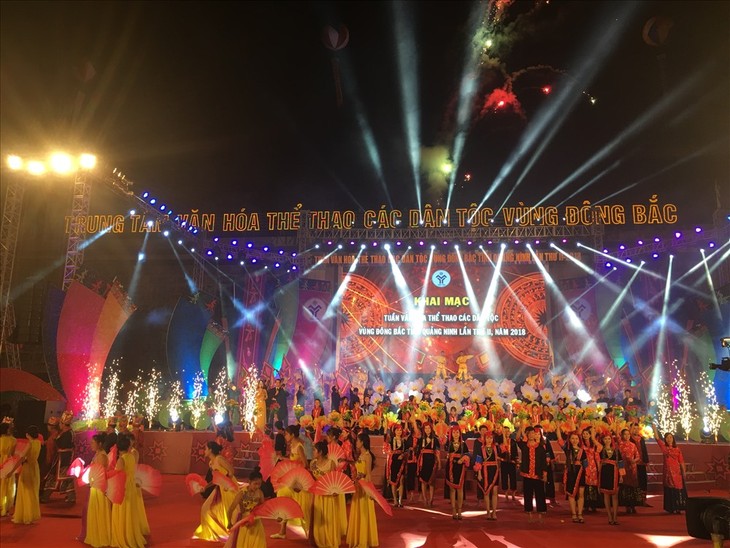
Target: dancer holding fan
301,496
7,483
27,503
251,535
214,512
126,529
99,508
325,531
362,528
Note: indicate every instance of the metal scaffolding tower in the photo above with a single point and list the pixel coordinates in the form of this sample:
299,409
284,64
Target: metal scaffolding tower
77,233
8,243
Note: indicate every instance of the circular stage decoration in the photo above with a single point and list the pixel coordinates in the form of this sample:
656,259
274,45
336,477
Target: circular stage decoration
363,307
524,306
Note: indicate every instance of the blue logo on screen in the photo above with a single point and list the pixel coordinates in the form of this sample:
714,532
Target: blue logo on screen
441,278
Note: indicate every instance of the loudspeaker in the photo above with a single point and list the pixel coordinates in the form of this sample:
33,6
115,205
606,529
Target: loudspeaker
35,412
708,517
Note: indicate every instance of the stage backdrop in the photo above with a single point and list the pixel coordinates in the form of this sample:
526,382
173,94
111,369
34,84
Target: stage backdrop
394,320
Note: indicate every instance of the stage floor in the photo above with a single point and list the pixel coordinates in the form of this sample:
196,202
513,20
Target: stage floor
174,515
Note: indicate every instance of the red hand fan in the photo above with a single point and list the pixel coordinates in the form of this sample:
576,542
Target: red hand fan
280,470
149,479
116,486
76,468
333,483
337,454
297,479
9,466
245,522
370,490
113,453
195,483
95,476
267,459
21,447
224,482
280,508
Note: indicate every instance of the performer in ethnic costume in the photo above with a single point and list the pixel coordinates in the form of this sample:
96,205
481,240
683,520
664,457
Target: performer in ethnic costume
96,529
457,462
574,479
429,461
609,475
362,528
508,460
7,448
27,505
629,494
303,498
592,447
533,469
411,475
396,464
57,480
641,465
325,530
126,528
486,465
214,521
247,536
550,454
675,491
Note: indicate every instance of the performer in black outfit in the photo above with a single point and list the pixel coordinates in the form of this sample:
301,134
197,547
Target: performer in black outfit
574,478
279,395
640,443
550,483
486,460
429,461
457,462
533,469
508,460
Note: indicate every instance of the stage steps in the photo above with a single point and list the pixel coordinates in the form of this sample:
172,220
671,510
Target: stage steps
246,457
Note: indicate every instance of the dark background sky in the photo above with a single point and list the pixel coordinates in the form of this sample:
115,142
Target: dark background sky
224,105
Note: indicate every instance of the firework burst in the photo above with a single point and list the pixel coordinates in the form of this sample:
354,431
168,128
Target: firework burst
152,395
248,398
197,405
111,394
175,401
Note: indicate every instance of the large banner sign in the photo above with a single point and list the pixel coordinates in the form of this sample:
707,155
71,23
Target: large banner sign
653,212
421,318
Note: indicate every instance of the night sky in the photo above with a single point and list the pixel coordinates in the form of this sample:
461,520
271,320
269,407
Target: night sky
221,106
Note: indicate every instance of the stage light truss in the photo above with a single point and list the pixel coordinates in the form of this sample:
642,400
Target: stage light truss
12,206
77,235
693,240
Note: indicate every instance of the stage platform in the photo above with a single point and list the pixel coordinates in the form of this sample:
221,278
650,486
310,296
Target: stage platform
183,453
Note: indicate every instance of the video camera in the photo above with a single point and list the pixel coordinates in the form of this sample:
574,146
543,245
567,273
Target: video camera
724,364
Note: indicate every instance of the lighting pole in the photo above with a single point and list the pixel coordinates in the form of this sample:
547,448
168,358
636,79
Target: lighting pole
58,163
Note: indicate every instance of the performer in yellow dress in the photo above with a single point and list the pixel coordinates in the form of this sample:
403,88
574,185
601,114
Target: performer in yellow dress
362,529
303,498
247,536
261,397
7,448
126,531
214,522
99,510
27,502
326,530
138,499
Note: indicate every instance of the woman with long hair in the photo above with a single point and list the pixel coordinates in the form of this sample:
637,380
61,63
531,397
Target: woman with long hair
629,493
457,461
325,531
126,528
396,464
609,477
574,478
362,527
429,461
214,522
675,490
592,447
98,518
303,498
27,501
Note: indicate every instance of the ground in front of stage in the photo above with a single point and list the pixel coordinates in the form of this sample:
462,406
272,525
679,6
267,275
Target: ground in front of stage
174,515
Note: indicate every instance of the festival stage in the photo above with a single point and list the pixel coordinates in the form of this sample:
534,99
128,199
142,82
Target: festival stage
174,515
708,465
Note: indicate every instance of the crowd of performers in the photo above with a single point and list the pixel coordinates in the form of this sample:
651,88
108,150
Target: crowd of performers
118,520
